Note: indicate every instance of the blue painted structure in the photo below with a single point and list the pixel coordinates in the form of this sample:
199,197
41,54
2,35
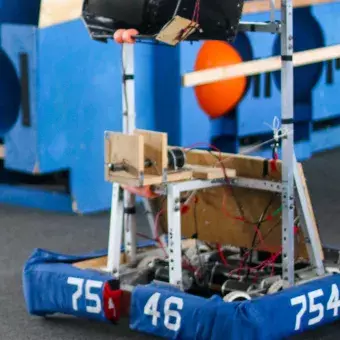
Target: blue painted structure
19,11
74,96
71,104
325,95
14,12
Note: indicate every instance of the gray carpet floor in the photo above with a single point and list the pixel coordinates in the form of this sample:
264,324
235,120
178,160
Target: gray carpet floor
22,230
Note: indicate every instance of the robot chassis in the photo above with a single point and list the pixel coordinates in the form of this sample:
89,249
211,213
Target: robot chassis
231,282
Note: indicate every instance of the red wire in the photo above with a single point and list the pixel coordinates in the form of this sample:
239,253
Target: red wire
222,257
207,145
227,214
224,210
260,236
159,214
145,237
273,258
195,17
273,162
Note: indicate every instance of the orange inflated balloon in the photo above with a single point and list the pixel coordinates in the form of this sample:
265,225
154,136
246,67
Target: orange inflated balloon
219,98
128,36
118,36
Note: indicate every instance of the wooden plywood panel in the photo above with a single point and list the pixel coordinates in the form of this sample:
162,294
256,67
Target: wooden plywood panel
208,172
96,264
211,218
155,150
125,178
310,206
245,166
177,30
124,149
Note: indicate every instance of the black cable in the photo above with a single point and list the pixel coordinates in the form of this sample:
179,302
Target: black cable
196,235
259,224
124,87
269,232
232,189
202,266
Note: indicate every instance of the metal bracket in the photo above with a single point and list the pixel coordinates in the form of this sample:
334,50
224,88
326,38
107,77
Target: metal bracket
264,27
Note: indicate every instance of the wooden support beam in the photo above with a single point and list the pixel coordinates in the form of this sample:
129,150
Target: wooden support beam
53,12
253,67
264,6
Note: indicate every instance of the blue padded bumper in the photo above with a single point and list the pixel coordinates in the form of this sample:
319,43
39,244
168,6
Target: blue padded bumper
172,314
52,285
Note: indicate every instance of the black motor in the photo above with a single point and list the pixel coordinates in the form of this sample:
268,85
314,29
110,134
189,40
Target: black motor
218,19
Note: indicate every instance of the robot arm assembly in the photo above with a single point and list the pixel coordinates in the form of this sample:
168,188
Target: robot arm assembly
217,19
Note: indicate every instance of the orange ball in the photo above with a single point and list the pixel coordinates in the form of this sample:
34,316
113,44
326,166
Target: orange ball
128,36
217,99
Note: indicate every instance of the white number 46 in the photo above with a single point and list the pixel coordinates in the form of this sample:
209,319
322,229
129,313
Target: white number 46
314,307
151,309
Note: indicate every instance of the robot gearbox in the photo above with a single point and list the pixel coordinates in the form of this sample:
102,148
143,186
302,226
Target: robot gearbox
216,19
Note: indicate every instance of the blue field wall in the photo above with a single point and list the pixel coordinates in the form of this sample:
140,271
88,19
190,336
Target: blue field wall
14,12
74,96
325,95
145,76
19,11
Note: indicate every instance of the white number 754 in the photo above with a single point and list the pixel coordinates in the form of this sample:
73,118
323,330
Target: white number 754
314,307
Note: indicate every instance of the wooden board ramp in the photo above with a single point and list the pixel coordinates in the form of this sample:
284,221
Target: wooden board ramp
264,5
253,67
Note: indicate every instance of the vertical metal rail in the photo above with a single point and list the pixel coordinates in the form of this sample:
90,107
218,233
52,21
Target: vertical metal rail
123,212
115,232
129,125
174,235
287,115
